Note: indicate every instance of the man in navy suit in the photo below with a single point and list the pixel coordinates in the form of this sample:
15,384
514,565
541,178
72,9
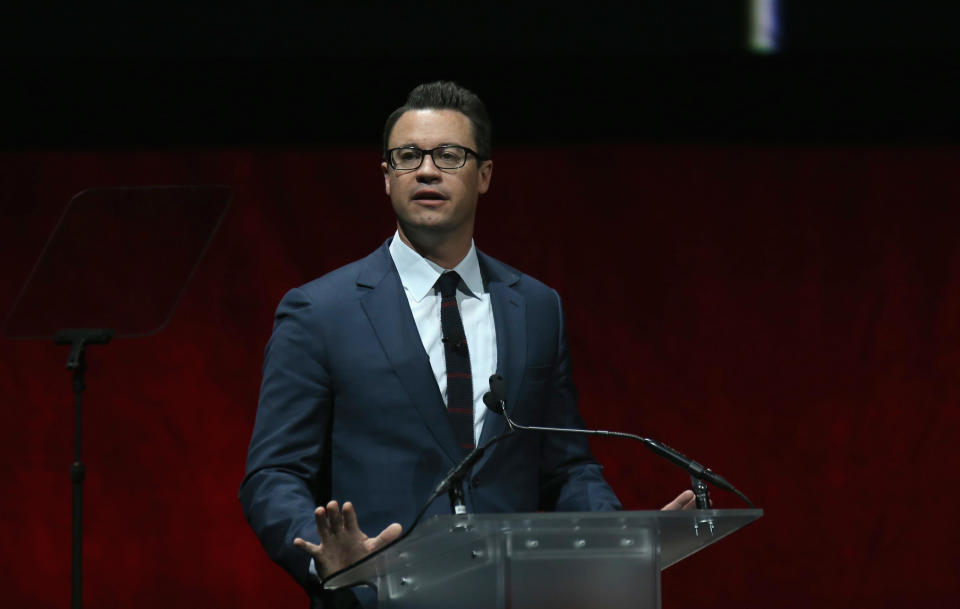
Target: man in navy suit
355,394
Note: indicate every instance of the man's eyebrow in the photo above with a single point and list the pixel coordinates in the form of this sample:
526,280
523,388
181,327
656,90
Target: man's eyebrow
412,145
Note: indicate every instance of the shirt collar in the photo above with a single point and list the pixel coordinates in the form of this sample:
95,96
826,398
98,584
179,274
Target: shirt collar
418,275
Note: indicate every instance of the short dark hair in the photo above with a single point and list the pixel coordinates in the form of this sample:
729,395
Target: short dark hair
446,95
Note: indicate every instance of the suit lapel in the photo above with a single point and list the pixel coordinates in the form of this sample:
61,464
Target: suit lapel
509,317
386,307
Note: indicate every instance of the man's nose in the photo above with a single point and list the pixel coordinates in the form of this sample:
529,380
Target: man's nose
427,171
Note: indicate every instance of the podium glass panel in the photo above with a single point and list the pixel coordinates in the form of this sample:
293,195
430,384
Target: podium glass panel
557,560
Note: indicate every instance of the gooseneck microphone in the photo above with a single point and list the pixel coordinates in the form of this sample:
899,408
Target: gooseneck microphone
495,402
452,483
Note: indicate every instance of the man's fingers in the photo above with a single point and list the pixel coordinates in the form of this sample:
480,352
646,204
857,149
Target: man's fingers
333,517
684,501
323,525
670,506
350,523
306,546
388,535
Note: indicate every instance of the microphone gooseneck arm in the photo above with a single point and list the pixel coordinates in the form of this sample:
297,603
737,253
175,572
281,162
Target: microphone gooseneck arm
451,483
494,401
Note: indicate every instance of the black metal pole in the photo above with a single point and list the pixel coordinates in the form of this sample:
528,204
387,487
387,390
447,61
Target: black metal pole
77,340
77,474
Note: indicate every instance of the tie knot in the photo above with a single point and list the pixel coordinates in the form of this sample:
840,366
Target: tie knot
448,283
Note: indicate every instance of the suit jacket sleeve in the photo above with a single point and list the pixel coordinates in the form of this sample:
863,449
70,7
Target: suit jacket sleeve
283,485
570,477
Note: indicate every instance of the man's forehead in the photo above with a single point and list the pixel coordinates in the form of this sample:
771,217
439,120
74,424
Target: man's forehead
432,127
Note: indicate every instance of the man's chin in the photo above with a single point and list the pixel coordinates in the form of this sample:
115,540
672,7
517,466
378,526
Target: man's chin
433,230
426,228
430,221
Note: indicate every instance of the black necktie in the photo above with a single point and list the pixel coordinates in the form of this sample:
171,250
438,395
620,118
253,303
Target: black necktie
459,379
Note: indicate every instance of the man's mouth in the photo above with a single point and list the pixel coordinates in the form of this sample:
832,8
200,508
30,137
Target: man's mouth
429,195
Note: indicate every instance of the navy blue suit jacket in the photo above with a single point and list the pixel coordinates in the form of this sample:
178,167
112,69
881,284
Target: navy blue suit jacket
350,410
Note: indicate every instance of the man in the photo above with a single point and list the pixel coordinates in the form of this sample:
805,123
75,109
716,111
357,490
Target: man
374,376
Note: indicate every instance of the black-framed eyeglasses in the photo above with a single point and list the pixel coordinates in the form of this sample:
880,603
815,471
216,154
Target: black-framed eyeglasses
444,157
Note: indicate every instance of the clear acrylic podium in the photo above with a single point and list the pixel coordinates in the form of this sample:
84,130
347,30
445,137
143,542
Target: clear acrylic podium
538,560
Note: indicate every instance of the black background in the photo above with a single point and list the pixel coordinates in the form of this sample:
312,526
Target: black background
304,73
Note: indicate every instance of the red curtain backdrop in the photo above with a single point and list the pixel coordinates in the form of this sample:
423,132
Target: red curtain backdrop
787,316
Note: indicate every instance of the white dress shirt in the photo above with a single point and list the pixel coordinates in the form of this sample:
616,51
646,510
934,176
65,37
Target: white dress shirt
419,276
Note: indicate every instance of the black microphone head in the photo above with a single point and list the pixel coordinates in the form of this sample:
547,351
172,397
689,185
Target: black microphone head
497,386
492,402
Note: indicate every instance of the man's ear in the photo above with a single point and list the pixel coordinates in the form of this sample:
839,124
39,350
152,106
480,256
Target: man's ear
386,177
486,173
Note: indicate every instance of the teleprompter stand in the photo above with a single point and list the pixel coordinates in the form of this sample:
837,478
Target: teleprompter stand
530,561
78,340
116,265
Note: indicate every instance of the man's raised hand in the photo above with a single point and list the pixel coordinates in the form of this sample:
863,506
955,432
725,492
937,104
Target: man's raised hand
343,543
